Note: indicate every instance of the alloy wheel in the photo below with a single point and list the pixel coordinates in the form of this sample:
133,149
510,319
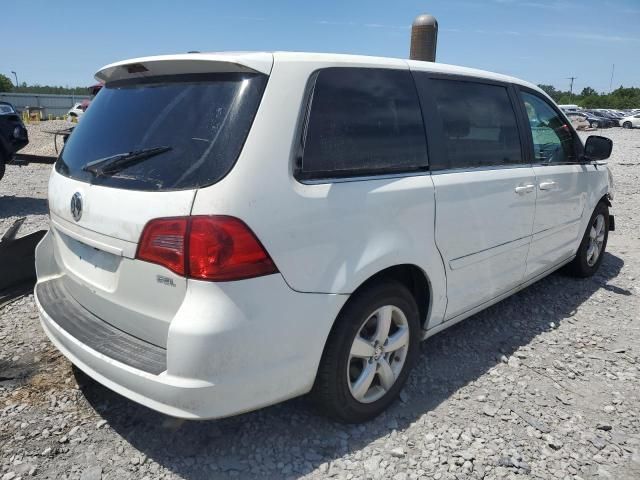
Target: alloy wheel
596,240
378,354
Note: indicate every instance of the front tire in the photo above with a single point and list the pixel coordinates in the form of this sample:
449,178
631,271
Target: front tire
369,353
595,124
627,125
593,245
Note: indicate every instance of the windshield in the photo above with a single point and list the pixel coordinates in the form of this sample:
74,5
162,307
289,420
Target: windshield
203,120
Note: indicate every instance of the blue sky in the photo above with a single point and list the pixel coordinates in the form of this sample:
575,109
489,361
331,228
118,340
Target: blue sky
543,41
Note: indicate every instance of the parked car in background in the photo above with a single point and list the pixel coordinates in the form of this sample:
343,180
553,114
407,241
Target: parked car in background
599,120
78,110
578,120
632,121
75,112
231,230
13,134
591,120
610,114
570,108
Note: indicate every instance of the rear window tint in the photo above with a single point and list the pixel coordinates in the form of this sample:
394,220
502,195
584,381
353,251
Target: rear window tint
362,121
204,119
479,125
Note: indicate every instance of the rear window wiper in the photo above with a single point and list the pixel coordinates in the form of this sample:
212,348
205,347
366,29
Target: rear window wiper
115,163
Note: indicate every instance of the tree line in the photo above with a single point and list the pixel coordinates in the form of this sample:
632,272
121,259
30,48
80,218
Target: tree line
621,98
6,85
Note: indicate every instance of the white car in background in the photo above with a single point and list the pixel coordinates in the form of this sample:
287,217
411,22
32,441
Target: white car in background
569,108
233,230
632,121
75,112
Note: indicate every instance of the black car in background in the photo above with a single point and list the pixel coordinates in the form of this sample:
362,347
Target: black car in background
600,120
13,134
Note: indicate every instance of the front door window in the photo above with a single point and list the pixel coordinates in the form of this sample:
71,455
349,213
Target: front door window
553,141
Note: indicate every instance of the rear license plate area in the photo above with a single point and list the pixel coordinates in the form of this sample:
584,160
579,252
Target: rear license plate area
92,265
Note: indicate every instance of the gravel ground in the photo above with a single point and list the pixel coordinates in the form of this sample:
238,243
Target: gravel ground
40,138
543,385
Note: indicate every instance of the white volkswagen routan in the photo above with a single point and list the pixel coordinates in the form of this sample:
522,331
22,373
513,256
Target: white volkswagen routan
232,230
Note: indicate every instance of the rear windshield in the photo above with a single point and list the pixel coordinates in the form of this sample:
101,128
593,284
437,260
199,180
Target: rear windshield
198,123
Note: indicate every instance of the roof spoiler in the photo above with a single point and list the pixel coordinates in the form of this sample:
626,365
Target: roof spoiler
186,63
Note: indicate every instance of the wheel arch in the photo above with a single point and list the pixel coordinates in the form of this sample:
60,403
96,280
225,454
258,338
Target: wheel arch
414,278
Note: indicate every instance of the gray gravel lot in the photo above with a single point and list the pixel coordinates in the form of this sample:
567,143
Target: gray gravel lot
40,138
543,385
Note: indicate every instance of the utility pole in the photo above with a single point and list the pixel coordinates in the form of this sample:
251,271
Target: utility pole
15,75
571,86
613,67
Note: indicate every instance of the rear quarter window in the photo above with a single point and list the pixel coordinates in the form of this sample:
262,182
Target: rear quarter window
361,122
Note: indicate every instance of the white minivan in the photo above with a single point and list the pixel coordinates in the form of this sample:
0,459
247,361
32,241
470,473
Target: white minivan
232,230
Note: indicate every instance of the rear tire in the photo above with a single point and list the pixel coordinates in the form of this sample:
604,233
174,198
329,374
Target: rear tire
363,368
627,125
592,247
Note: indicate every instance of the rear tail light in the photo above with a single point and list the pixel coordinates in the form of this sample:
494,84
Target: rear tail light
216,248
163,242
224,248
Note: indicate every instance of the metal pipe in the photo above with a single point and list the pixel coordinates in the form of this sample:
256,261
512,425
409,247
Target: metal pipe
424,38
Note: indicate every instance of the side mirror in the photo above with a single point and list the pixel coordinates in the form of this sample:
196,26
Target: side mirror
597,148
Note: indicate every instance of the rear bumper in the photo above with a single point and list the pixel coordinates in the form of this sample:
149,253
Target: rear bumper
88,329
172,396
231,348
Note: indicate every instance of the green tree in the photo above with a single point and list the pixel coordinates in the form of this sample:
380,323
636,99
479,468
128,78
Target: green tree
6,85
593,101
552,91
54,89
621,98
565,98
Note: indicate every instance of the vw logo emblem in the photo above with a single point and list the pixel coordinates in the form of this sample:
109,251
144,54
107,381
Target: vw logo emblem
76,206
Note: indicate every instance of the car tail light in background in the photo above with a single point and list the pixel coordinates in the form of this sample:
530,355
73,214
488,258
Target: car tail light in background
216,248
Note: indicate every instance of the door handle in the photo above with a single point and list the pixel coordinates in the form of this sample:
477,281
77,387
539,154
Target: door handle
522,189
547,185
